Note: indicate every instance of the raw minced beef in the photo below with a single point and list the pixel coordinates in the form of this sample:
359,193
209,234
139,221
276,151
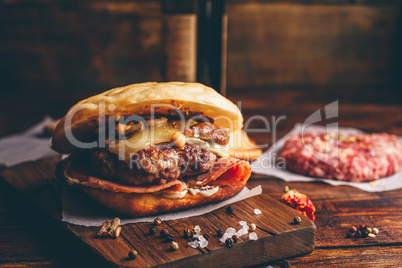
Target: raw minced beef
344,157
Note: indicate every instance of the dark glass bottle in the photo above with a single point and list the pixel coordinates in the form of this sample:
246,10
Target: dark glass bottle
195,38
211,45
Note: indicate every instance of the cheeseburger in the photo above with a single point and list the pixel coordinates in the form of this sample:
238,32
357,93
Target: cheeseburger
149,148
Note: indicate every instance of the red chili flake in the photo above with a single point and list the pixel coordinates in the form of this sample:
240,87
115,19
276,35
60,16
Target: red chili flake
352,229
299,202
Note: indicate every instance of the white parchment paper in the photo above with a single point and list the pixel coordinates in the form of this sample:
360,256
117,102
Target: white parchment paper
265,164
79,209
29,145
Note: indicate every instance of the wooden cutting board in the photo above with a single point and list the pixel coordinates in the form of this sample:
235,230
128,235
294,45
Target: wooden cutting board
278,236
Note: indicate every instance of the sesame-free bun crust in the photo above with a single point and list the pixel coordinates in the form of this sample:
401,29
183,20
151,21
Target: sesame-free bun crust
242,147
140,99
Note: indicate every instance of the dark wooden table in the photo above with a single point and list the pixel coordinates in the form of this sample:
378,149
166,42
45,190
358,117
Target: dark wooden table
25,240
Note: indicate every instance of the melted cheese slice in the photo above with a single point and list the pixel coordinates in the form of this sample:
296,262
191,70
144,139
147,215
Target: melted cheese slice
159,134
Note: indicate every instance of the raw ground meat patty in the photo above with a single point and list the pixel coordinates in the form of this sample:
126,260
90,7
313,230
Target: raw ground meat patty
344,157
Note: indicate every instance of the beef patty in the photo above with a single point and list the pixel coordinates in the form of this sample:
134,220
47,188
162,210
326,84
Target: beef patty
157,164
208,132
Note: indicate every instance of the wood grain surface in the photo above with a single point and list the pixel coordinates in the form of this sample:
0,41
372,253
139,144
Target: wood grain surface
25,242
75,46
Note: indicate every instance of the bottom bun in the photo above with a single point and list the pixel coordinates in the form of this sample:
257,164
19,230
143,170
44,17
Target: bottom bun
143,204
148,204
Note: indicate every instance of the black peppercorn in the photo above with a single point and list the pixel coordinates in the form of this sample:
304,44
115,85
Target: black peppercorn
195,238
152,230
365,234
164,232
169,238
157,221
206,236
229,242
219,233
229,209
132,255
349,234
362,227
358,234
286,264
235,238
297,220
187,233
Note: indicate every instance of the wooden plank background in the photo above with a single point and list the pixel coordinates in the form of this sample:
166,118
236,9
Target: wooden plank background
25,242
76,46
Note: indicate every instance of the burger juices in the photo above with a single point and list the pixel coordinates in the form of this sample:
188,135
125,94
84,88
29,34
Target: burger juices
152,147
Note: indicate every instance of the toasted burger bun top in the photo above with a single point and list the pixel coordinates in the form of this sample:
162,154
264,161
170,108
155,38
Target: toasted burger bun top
140,99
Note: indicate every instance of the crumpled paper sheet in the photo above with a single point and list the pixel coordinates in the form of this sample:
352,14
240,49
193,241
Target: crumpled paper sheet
29,145
80,209
269,157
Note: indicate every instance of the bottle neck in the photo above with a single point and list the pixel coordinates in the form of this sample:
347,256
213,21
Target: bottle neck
211,63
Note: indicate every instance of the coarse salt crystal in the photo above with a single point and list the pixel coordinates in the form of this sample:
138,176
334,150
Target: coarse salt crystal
202,242
244,228
253,236
193,244
230,230
242,231
242,223
200,238
197,228
257,211
228,234
224,237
